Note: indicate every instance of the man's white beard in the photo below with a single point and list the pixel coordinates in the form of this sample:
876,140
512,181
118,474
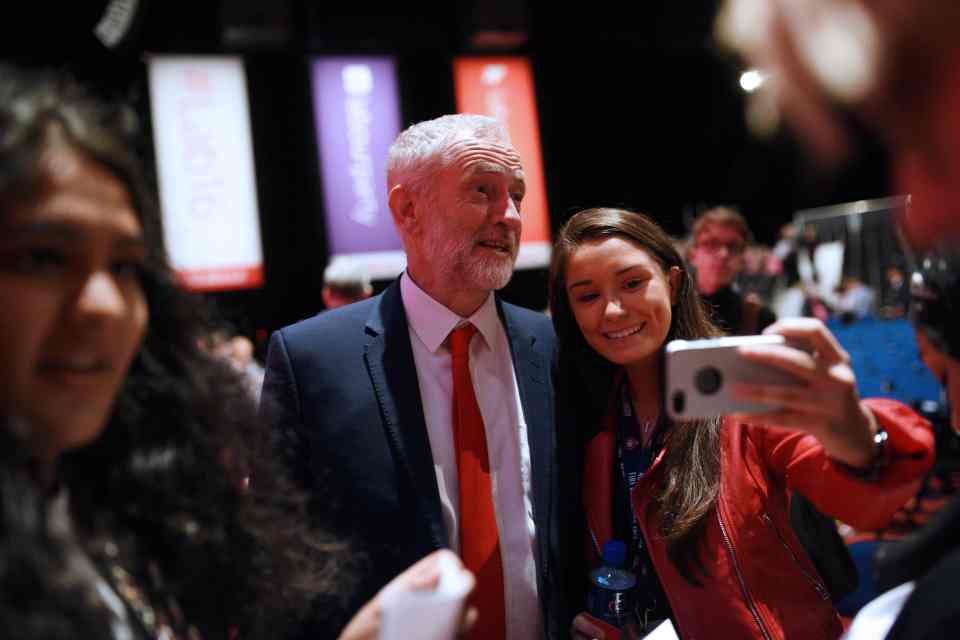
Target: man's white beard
486,272
491,273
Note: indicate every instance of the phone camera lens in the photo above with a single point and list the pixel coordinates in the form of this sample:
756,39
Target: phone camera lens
679,402
708,380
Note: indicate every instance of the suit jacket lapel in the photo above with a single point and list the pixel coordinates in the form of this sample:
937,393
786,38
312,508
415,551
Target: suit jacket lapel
389,358
532,364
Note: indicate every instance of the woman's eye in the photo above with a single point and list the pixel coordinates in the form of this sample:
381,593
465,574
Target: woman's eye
37,260
633,283
130,268
587,297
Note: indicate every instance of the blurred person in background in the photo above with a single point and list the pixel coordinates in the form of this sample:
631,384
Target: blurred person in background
140,496
344,283
756,281
854,300
237,351
718,240
918,575
896,294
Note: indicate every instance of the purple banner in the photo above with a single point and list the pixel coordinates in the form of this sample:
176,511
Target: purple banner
357,111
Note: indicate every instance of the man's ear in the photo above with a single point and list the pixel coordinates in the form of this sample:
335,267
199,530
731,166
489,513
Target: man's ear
402,207
676,281
327,297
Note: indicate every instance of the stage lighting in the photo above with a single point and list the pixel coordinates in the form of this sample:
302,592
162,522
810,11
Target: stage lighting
752,79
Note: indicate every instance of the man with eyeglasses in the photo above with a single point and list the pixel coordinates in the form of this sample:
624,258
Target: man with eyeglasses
717,243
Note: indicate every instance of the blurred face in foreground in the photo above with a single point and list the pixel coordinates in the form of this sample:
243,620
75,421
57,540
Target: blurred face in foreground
72,308
894,64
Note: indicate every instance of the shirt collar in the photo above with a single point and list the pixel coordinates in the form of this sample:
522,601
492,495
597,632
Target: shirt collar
432,322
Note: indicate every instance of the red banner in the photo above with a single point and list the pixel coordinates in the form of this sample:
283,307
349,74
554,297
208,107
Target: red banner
502,87
221,278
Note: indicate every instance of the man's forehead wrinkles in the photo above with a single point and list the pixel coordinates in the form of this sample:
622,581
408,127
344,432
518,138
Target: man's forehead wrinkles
489,146
474,166
488,158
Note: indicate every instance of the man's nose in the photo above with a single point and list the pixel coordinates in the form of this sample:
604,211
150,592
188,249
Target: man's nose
508,212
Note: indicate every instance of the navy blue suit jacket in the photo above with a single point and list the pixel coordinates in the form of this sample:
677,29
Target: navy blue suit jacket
343,388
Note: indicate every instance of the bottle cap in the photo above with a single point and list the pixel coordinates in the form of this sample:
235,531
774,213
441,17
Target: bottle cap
614,553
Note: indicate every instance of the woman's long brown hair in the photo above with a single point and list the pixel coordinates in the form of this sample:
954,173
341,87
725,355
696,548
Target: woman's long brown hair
691,478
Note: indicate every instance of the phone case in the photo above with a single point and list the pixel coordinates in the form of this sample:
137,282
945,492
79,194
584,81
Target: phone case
699,373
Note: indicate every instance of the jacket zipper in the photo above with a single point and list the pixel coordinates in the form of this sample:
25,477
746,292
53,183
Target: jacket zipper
743,583
821,589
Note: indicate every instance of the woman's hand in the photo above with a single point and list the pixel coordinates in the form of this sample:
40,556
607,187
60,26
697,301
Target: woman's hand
421,576
826,404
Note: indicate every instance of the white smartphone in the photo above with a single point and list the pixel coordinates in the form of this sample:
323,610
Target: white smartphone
699,373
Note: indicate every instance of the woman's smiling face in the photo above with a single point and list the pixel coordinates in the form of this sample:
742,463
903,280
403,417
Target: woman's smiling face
621,299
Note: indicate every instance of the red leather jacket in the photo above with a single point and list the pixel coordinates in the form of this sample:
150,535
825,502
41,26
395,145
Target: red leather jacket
760,582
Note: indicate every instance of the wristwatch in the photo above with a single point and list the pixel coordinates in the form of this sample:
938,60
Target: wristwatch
881,449
881,456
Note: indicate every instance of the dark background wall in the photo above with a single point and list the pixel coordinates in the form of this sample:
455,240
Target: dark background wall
638,108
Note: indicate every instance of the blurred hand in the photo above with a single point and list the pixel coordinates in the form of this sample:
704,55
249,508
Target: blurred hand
826,404
421,576
585,628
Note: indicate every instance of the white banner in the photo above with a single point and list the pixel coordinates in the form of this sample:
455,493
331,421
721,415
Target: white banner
208,195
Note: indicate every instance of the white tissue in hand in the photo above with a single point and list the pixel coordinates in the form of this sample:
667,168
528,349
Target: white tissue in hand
426,615
664,631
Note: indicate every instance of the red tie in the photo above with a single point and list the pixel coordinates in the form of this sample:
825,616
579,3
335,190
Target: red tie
479,541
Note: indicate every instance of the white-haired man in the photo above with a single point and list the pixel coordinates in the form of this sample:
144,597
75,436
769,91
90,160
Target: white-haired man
344,283
430,406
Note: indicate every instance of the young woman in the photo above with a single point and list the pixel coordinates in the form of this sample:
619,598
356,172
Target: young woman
138,496
704,505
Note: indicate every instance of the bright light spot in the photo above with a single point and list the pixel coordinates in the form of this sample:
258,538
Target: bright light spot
752,80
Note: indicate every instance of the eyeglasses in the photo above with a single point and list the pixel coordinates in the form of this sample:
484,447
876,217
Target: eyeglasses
714,246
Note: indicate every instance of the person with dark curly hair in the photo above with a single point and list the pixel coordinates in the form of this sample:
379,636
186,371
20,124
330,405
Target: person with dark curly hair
140,497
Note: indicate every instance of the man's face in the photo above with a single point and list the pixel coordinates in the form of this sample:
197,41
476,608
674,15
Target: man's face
717,257
470,231
946,370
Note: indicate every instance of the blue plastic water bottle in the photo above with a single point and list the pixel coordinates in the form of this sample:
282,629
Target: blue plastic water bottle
612,595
